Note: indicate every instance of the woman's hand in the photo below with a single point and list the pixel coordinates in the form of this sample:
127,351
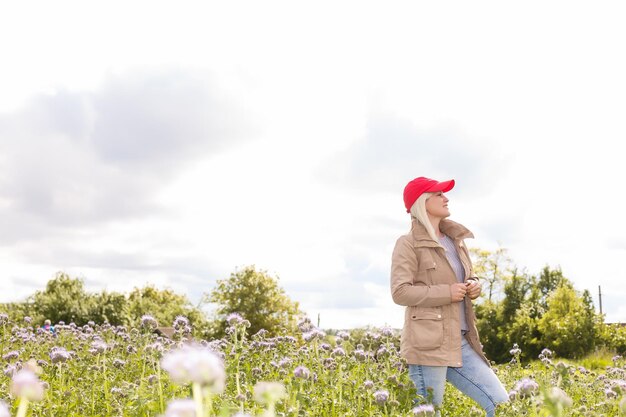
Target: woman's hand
458,291
473,289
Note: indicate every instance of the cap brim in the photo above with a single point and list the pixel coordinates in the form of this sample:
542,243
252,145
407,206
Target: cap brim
443,186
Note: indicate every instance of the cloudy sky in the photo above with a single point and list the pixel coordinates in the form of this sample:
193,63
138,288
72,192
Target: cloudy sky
152,142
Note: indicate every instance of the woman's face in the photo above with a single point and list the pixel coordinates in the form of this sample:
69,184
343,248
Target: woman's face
437,205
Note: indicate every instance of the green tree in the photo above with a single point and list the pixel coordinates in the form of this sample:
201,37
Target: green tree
493,268
569,325
257,297
165,305
64,299
109,307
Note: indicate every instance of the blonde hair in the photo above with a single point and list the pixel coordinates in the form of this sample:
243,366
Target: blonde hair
418,210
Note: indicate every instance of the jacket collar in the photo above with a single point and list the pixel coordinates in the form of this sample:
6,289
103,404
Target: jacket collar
453,229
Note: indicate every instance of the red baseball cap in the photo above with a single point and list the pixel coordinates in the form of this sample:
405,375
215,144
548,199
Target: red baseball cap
422,185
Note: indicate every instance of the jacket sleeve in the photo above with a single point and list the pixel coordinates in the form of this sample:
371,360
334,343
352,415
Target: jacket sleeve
403,269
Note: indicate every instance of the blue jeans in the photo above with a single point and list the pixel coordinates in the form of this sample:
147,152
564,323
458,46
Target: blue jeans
475,379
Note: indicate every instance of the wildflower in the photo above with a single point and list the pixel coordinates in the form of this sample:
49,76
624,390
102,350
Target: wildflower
4,410
610,393
546,353
181,408
28,319
10,370
329,363
284,363
426,410
234,319
382,352
98,347
339,352
562,367
313,334
371,336
118,391
59,355
14,354
360,354
119,363
368,385
269,392
152,379
619,386
343,335
26,384
195,364
180,322
381,396
512,395
516,351
156,347
302,372
558,397
526,387
149,322
4,319
386,331
305,325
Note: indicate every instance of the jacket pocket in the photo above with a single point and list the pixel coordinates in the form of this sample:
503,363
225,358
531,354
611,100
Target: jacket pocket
426,327
426,270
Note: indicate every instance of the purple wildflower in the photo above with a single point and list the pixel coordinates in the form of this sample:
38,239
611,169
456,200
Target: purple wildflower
181,408
194,363
381,396
526,387
269,392
26,384
343,335
313,334
98,347
149,322
14,354
386,332
360,354
339,352
119,363
4,410
368,385
180,322
305,325
516,351
302,372
426,410
234,319
59,355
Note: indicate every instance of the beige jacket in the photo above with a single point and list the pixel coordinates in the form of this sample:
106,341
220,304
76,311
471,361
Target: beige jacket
420,280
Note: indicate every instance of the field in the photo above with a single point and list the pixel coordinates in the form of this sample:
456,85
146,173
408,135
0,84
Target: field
102,370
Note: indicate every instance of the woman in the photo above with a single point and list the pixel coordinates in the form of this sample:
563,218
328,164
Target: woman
431,274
